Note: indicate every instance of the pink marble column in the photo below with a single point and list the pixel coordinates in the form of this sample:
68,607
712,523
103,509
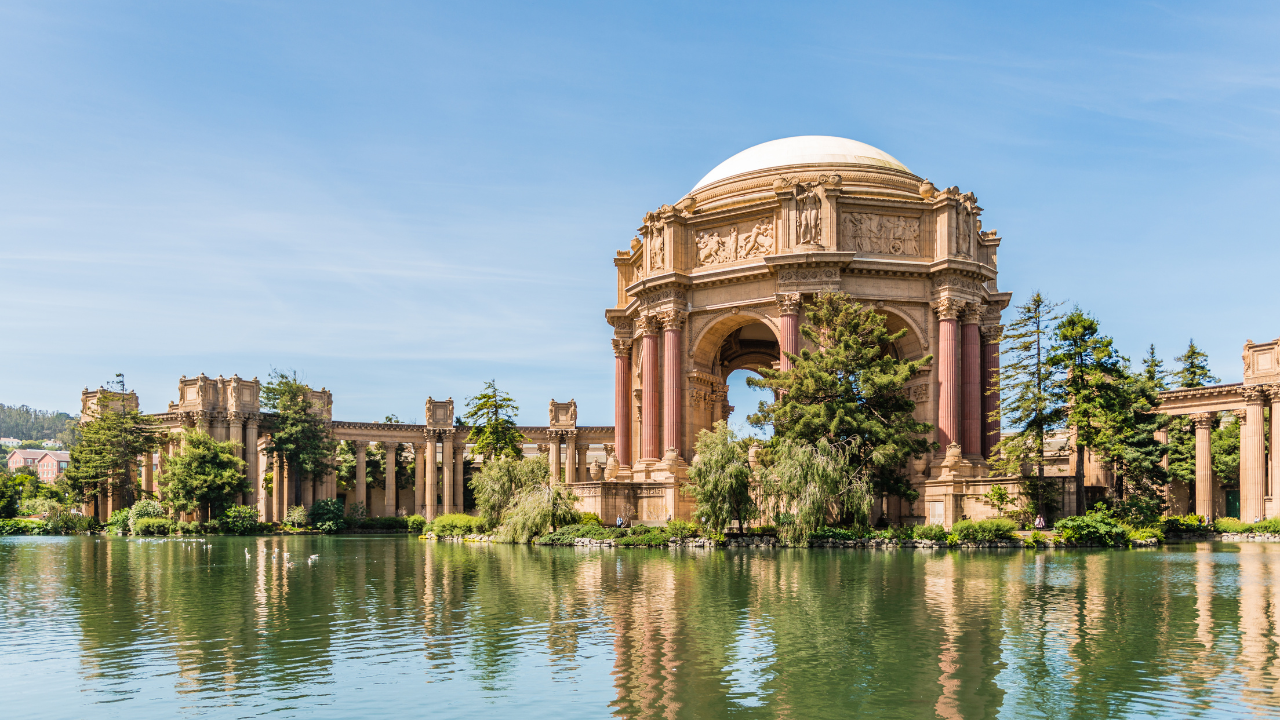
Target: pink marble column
673,324
971,371
650,422
948,373
622,401
990,400
789,315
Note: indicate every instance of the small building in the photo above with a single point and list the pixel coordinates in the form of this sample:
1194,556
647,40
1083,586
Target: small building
51,464
10,442
50,444
19,458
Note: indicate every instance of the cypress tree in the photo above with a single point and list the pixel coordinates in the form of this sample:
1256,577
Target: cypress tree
491,415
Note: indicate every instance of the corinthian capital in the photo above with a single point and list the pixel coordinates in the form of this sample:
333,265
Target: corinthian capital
948,308
650,324
788,303
972,314
1202,420
1254,395
673,319
621,348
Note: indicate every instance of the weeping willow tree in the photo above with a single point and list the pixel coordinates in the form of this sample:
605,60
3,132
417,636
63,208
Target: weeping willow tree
502,479
720,479
537,506
810,482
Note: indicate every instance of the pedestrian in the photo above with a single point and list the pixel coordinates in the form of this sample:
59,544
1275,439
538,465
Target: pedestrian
1039,522
619,521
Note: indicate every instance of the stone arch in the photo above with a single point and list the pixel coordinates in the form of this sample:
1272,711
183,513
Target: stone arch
911,346
707,343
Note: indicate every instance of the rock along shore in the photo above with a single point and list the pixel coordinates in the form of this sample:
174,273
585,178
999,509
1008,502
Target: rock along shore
768,541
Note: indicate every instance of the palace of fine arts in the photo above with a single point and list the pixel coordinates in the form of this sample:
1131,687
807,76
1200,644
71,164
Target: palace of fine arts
291,287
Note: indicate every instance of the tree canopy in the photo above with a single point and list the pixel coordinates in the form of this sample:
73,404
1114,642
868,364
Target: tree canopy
1193,370
491,416
298,433
204,475
720,479
106,458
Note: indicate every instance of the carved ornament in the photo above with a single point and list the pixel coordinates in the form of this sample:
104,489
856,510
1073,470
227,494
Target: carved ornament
672,319
621,348
808,215
1202,421
948,308
788,303
1255,395
880,234
715,248
810,275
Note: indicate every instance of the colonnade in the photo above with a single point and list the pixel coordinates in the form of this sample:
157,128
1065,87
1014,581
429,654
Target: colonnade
565,442
434,452
968,357
1257,466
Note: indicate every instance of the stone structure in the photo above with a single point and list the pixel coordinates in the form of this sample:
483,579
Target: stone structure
716,283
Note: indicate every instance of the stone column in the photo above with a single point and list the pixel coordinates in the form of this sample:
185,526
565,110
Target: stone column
280,488
148,477
789,316
431,491
459,477
1273,391
235,431
990,392
622,400
389,492
1204,465
252,461
672,334
362,482
650,422
582,463
202,421
308,492
570,458
265,510
419,476
1253,456
971,370
447,461
553,453
948,372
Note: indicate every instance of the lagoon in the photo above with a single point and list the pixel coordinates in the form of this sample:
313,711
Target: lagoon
393,626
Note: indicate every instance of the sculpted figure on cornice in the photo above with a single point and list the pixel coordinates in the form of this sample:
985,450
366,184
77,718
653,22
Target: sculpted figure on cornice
880,234
808,214
714,248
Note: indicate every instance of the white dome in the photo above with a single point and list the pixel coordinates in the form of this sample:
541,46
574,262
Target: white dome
802,150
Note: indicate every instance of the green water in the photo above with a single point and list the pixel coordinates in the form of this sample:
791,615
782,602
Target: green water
397,627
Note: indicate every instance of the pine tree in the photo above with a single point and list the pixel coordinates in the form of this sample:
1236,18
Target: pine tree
106,457
1088,372
1153,371
298,434
849,392
491,415
1024,381
1128,437
1195,368
204,476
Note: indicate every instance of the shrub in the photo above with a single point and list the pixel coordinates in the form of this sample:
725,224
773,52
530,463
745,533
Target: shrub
830,533
653,538
152,526
680,528
1096,527
455,524
1038,538
187,528
145,508
23,526
296,516
117,523
327,516
931,532
903,532
589,518
1146,533
240,519
984,530
387,524
1270,526
1230,525
567,534
1184,524
357,511
417,524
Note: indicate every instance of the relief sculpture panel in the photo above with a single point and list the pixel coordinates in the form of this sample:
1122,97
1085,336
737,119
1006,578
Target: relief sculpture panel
880,234
740,241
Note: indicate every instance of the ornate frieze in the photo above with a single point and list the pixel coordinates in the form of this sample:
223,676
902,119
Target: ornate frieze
809,275
740,241
880,234
956,281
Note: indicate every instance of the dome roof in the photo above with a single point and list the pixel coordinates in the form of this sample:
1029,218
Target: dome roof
801,150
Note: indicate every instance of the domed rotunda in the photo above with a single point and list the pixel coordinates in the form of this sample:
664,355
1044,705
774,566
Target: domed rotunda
715,283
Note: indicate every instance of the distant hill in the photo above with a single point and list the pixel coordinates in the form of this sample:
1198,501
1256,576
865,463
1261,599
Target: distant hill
25,423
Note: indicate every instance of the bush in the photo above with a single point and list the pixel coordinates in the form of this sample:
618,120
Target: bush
1097,527
240,519
152,526
145,508
967,531
930,532
1184,524
1146,533
830,533
589,518
1230,525
23,526
387,524
680,528
1037,538
117,523
567,534
653,538
187,528
327,516
417,524
455,524
296,516
1270,526
357,511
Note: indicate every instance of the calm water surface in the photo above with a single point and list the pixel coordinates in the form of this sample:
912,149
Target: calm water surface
397,627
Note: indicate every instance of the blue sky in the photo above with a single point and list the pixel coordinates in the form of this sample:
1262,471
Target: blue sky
406,199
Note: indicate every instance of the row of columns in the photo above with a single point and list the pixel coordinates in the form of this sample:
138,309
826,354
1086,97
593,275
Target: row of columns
968,360
1254,460
661,385
424,486
575,455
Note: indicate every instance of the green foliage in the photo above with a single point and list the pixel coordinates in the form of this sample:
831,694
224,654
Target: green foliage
830,533
187,528
1224,448
1231,525
23,526
1038,538
239,520
296,516
385,524
848,391
106,457
24,423
142,510
491,414
153,526
999,497
345,465
118,521
589,518
1095,527
967,531
1153,372
203,475
1184,524
536,510
455,525
808,483
504,477
1138,510
653,538
356,511
720,479
1194,370
1028,407
327,516
1146,533
682,529
935,533
416,523
11,487
567,534
299,433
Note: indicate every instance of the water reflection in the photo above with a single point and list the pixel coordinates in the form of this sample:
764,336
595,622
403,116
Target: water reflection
362,626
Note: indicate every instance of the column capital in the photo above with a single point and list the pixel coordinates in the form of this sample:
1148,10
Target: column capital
673,319
649,324
621,348
788,303
252,419
992,333
1254,394
1202,420
544,448
948,308
236,416
971,314
1241,415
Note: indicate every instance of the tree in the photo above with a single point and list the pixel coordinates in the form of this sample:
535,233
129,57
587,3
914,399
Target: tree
720,479
491,415
106,458
1194,370
541,506
1153,372
10,494
848,391
298,434
502,479
1086,369
1027,403
1128,438
1224,445
806,483
204,476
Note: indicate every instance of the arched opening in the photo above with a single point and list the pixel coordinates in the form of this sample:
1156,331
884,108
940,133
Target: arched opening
745,400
